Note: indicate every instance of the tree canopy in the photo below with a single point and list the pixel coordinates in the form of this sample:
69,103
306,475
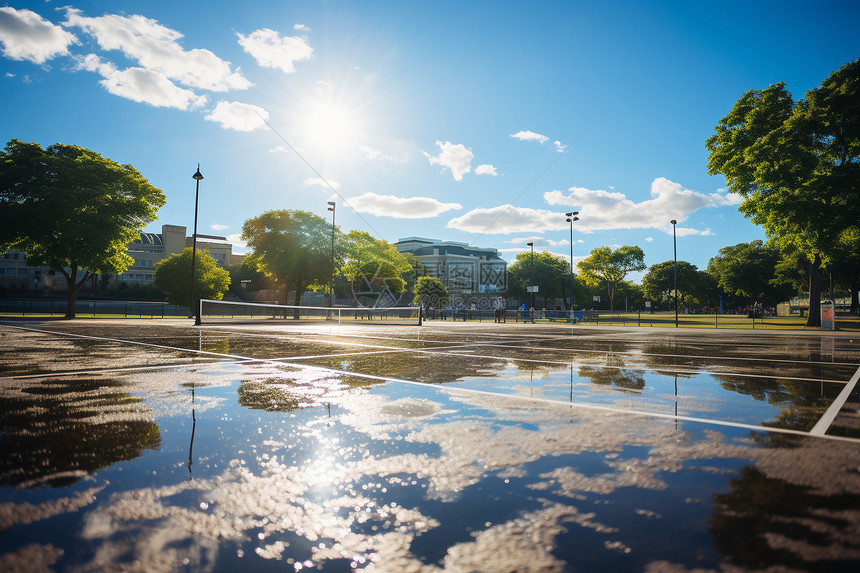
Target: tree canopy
694,286
172,276
293,247
430,292
72,210
551,276
605,267
747,271
797,165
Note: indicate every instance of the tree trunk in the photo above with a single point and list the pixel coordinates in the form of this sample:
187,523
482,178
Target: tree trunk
73,286
813,270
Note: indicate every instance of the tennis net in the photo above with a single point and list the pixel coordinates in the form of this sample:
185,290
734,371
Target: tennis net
218,311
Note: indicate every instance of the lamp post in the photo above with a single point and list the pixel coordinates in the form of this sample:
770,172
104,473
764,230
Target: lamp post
195,311
532,287
571,217
331,207
675,258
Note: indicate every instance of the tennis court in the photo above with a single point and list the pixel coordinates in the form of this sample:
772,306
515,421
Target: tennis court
278,445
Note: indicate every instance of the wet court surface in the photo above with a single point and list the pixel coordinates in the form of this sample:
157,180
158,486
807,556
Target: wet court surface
157,446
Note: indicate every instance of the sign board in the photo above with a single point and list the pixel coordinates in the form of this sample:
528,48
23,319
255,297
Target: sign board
245,281
531,289
828,316
596,299
647,304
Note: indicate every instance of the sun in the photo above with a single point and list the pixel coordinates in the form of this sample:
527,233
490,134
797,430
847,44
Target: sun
332,126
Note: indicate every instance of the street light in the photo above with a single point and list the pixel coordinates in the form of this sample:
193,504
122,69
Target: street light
191,310
331,206
532,287
571,217
675,257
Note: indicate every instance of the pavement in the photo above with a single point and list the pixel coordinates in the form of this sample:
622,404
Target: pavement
156,445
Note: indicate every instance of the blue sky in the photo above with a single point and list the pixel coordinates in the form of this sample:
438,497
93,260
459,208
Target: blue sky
480,122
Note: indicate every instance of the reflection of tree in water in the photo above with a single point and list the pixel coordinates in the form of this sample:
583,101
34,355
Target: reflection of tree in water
57,432
666,359
614,374
276,390
765,522
801,403
533,370
427,367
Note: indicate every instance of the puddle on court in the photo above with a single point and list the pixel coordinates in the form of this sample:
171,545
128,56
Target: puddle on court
257,466
745,399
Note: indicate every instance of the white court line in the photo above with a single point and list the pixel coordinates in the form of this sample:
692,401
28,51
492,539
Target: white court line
472,390
826,420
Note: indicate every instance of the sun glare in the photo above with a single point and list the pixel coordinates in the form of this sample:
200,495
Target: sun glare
331,126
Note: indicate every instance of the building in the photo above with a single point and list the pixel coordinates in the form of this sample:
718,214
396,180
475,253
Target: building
17,278
471,274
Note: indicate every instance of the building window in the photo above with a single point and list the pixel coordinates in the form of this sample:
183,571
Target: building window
22,272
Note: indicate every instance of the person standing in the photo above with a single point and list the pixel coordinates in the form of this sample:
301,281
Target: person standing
499,310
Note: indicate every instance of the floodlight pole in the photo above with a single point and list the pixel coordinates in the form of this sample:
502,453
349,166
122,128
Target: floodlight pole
675,258
331,207
192,311
532,245
571,217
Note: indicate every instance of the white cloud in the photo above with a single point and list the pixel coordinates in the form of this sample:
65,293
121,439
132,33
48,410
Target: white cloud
508,219
279,149
301,28
684,231
377,154
530,136
271,50
485,169
455,157
239,116
599,209
156,48
401,207
238,244
218,227
559,146
141,85
538,241
649,239
326,184
25,35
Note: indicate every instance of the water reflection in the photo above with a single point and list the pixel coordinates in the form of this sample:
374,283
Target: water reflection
397,477
765,521
613,373
57,431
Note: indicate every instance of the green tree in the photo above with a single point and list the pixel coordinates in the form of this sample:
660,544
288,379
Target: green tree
605,267
246,271
797,164
695,287
376,283
172,276
430,291
747,271
551,276
72,210
293,247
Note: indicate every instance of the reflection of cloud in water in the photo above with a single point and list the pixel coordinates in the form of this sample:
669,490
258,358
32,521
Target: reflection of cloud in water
33,557
24,513
341,496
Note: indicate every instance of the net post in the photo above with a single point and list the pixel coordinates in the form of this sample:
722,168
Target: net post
420,315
